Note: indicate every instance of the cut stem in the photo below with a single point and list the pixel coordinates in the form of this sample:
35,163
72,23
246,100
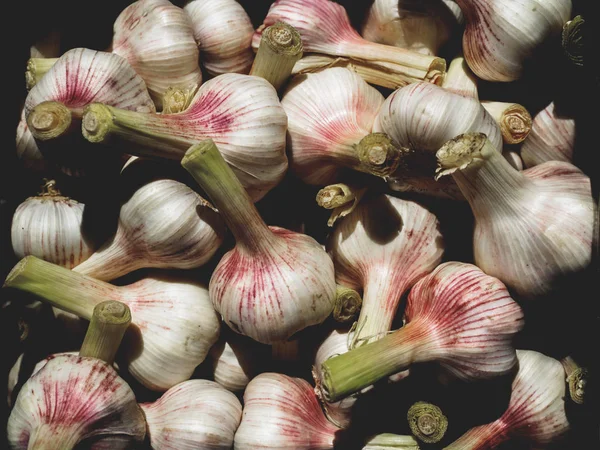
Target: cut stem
280,48
391,441
335,195
460,79
49,120
109,321
514,120
576,378
573,40
176,100
347,304
36,69
378,155
427,422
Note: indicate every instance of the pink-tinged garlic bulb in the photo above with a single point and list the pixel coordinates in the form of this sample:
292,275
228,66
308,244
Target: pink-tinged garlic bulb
457,316
164,224
49,226
191,415
502,35
422,117
552,138
75,399
325,28
157,39
241,113
531,227
275,282
421,26
536,411
329,115
223,32
384,247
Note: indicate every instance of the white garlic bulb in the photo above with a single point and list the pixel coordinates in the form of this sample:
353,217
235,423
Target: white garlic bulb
224,32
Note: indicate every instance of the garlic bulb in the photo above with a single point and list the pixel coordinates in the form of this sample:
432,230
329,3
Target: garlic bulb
164,224
157,39
536,411
384,247
191,415
160,350
501,35
325,28
531,227
275,282
457,316
240,112
223,32
49,226
75,399
552,138
423,26
329,115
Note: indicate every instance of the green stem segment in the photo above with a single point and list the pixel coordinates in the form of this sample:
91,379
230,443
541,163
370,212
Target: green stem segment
391,441
347,304
577,377
50,120
378,155
427,422
206,164
36,69
105,332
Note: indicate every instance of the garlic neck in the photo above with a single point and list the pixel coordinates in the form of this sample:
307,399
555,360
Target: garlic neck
483,437
52,437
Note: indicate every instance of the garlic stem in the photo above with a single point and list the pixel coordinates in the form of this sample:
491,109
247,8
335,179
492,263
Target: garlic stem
335,195
36,69
206,164
514,120
176,100
576,379
573,41
280,48
347,304
427,422
105,332
391,441
460,80
378,155
49,120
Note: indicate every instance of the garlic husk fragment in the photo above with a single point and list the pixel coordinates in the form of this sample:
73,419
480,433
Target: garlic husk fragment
383,248
536,411
193,414
241,113
223,32
157,39
36,69
502,35
422,27
514,120
456,316
164,224
552,138
532,228
325,28
74,399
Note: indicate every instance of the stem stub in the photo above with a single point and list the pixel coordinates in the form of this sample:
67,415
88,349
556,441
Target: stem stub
427,422
378,155
96,123
49,120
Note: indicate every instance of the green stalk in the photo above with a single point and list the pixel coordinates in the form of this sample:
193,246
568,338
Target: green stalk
427,422
36,69
347,304
391,441
105,332
50,120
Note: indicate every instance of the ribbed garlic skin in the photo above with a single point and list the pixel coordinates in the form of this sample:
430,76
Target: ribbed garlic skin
282,412
49,227
552,138
223,32
501,35
27,149
164,224
331,109
157,39
73,398
195,414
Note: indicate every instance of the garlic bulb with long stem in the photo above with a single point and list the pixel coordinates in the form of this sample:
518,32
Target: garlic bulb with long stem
193,414
502,35
157,39
325,28
160,351
275,282
384,247
223,32
531,228
536,412
241,113
457,316
164,224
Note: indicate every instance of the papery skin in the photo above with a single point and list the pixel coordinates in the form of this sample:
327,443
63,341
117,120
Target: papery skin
157,39
191,415
329,112
501,35
164,224
282,412
223,32
73,398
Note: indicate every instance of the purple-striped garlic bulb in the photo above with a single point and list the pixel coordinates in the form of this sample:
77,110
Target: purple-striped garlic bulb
383,248
457,316
223,32
536,411
241,113
193,414
157,39
532,228
552,138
